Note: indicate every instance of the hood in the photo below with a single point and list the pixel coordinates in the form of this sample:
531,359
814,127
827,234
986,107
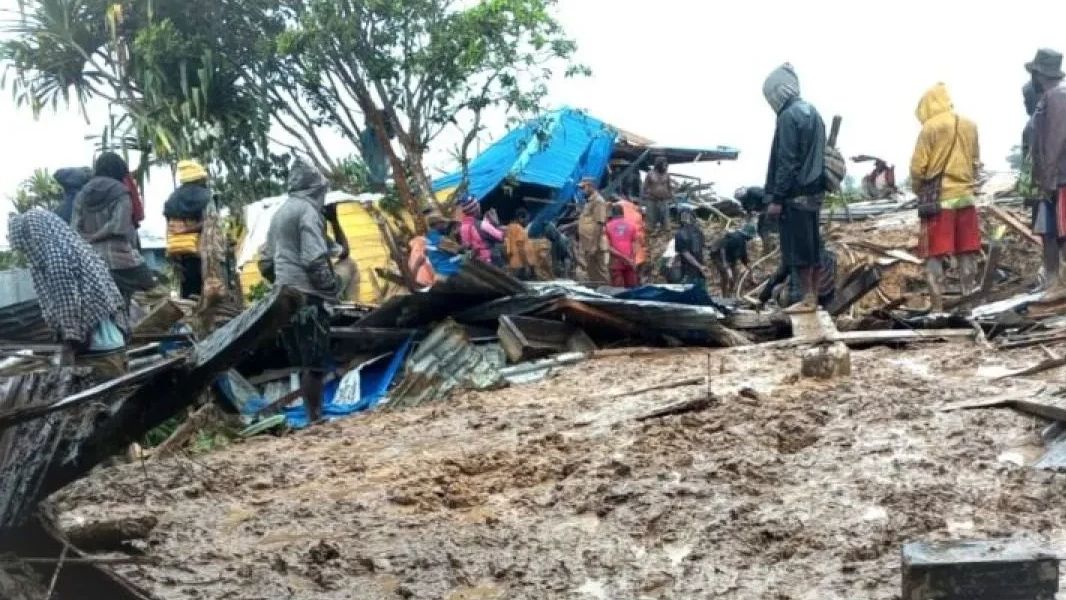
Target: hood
781,87
74,178
101,193
306,183
934,102
187,202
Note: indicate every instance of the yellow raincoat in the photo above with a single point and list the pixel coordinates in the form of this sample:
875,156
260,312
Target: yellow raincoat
937,116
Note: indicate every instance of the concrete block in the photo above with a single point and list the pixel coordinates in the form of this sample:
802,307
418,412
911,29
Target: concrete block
827,362
979,570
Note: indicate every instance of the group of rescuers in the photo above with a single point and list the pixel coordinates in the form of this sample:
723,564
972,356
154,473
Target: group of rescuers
86,266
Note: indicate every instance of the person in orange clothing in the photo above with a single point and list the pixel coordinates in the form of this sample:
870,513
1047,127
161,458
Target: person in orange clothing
515,245
633,215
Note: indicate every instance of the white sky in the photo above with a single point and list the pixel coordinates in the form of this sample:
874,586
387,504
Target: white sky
690,73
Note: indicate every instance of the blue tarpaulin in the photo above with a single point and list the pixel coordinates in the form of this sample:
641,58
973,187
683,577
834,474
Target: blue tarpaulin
554,151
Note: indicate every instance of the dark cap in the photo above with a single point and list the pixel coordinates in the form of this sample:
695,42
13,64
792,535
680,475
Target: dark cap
1047,63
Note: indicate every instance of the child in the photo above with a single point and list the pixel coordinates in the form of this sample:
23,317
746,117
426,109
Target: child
515,243
621,244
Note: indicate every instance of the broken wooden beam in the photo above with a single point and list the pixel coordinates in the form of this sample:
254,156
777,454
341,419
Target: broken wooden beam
862,280
1016,224
658,387
702,402
886,336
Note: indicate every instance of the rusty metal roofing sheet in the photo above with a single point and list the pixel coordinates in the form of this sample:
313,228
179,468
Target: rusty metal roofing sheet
446,360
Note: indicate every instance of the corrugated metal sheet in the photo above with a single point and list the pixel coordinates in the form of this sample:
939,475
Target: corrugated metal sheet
16,286
28,449
474,284
444,361
23,322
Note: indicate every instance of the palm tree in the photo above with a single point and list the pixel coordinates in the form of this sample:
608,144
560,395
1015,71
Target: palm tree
38,190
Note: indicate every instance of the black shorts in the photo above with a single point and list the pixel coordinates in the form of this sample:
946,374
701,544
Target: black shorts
801,237
306,337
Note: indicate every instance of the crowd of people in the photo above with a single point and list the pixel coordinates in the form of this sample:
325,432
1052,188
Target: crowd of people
86,264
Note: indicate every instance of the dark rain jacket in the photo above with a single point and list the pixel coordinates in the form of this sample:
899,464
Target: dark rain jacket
797,157
103,215
71,180
1049,140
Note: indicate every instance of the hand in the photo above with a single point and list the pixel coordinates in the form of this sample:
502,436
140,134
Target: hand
773,211
345,253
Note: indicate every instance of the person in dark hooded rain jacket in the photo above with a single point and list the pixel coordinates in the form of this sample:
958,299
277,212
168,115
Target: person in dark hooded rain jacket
296,254
71,179
795,179
103,216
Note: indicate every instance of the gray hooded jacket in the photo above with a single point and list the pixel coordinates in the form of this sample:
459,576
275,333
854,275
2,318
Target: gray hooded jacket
296,253
797,158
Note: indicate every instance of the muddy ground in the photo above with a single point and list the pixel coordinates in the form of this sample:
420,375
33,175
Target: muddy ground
780,489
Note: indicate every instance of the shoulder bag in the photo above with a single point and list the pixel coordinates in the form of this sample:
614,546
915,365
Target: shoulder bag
929,189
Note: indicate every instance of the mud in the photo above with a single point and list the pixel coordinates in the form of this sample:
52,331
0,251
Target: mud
781,488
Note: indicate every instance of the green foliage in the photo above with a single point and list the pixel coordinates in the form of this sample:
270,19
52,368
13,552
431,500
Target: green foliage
1015,158
259,291
38,190
350,175
10,259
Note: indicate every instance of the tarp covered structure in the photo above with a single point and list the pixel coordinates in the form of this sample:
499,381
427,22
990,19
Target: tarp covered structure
552,152
541,162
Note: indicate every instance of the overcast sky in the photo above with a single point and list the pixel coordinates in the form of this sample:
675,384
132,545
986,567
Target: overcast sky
690,73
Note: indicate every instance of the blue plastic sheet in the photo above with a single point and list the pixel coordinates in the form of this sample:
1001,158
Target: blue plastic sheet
695,295
375,378
555,151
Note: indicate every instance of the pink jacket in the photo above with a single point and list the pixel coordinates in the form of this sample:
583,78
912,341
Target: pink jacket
470,234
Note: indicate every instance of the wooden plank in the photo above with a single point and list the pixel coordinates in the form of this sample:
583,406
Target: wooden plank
1051,363
877,337
1014,223
979,570
861,281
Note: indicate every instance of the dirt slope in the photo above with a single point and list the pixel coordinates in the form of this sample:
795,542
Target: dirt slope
781,489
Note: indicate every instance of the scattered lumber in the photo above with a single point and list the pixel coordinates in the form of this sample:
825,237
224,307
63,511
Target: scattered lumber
1014,223
702,402
1046,365
658,387
979,570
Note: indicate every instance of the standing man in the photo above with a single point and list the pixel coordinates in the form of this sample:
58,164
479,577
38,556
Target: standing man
795,181
635,217
689,243
622,244
184,211
658,194
947,157
79,300
590,232
297,254
1049,158
104,217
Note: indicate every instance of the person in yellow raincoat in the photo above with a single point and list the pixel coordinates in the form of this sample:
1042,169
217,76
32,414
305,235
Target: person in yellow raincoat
947,148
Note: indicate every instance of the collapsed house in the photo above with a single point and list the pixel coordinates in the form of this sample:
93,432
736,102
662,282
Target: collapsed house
538,164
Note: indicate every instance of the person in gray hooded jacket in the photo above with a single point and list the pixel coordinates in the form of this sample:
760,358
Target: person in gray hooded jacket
296,255
795,180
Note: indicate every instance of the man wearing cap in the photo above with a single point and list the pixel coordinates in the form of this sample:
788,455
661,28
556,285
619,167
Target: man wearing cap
795,180
1049,158
590,233
184,211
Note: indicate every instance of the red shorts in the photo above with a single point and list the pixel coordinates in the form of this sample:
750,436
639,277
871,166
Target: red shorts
950,233
623,275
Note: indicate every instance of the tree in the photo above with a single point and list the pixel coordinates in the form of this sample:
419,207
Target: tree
411,69
38,190
165,69
1014,159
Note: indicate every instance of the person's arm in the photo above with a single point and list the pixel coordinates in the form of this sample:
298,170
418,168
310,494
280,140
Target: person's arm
338,233
491,230
920,158
1051,132
647,186
314,253
789,162
120,222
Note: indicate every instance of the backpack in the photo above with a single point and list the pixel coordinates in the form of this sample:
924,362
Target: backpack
835,169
